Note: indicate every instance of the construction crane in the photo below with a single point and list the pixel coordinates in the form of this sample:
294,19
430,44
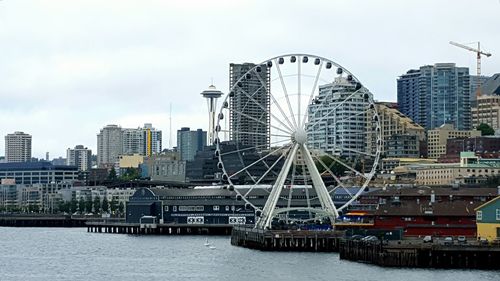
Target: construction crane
479,53
478,90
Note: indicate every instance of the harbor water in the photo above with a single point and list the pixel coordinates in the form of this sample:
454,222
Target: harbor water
74,254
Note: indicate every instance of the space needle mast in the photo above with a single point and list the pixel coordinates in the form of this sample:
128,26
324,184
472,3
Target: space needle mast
211,94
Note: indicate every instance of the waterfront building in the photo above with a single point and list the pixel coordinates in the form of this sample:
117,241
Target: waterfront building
189,142
401,136
32,197
79,156
436,138
251,96
109,145
488,220
18,147
435,95
212,204
37,172
424,211
487,110
332,131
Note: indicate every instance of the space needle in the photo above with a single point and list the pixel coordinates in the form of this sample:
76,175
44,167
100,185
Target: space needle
211,94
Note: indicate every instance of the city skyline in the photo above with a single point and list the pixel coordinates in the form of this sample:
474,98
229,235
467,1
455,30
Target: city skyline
125,65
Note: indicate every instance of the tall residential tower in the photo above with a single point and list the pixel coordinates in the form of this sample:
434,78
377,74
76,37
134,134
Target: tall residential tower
249,104
435,95
18,147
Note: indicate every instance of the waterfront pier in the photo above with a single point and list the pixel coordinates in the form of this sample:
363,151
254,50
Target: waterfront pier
44,220
286,240
397,254
158,229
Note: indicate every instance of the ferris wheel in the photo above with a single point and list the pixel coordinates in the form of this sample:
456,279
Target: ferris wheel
297,129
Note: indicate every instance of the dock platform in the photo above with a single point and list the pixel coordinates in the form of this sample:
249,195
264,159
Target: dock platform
286,240
421,255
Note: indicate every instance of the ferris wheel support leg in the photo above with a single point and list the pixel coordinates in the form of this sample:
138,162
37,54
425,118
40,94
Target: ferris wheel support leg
318,184
268,211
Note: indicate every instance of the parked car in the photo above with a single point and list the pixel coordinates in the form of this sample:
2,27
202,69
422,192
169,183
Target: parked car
356,237
448,240
370,238
462,240
427,239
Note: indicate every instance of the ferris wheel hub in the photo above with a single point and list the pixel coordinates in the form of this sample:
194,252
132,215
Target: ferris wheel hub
299,136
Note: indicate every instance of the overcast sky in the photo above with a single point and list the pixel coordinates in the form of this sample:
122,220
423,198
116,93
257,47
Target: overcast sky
68,68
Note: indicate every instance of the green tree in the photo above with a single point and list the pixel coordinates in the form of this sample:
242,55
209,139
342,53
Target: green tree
88,205
121,207
334,166
113,205
112,174
486,130
81,205
105,205
130,174
97,204
73,205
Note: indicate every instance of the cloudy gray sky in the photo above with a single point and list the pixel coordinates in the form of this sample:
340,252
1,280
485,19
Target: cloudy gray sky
67,68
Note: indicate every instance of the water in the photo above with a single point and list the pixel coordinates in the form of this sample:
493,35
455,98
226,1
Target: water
73,254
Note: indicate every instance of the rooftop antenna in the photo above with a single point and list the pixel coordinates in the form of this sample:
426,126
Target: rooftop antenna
170,128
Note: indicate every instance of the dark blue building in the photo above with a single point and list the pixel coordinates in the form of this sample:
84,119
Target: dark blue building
37,172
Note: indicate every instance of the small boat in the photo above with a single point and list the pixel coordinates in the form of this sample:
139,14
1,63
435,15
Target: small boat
212,247
207,243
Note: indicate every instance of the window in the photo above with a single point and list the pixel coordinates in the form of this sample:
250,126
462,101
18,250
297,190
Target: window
498,215
479,215
216,208
227,209
166,208
174,208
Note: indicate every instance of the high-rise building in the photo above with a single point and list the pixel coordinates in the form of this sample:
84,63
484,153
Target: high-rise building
113,141
393,122
249,104
132,141
152,140
109,145
189,142
435,95
144,141
329,130
18,147
437,138
79,156
487,111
